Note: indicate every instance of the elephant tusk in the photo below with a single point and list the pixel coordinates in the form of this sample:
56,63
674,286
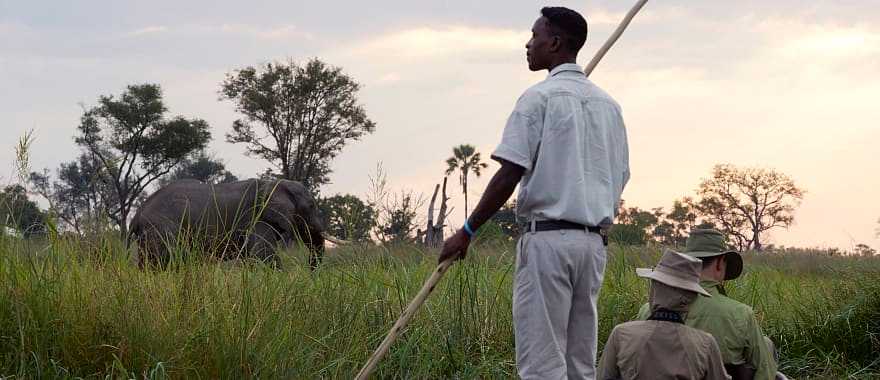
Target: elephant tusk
335,240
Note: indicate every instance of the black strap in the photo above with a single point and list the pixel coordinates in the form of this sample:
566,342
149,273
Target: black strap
666,316
553,225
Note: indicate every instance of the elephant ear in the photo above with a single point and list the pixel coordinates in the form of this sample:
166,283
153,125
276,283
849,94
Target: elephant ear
304,203
288,209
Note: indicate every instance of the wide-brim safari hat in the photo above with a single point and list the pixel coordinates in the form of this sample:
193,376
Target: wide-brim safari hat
710,243
676,270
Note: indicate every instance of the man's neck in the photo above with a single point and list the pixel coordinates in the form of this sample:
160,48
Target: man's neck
561,61
704,276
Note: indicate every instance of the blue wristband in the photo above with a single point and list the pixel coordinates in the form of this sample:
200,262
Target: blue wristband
467,229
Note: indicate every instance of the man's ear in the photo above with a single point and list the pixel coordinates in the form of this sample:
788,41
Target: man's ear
719,263
556,45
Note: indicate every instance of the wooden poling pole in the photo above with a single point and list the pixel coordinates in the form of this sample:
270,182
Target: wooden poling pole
614,36
411,309
429,285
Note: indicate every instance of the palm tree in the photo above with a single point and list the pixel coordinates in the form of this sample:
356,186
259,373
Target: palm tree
466,159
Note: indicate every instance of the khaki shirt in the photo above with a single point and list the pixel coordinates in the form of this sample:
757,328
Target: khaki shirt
735,328
660,350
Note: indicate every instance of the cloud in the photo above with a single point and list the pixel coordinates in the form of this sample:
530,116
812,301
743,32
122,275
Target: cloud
153,29
266,33
832,42
389,78
603,18
438,41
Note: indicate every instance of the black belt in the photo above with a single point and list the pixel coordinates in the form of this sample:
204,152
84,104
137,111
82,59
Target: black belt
553,225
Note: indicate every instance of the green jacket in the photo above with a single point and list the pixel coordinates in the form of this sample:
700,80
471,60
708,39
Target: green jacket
735,328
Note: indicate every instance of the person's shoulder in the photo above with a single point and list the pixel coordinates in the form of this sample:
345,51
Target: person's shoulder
734,305
724,307
629,328
597,94
537,92
533,100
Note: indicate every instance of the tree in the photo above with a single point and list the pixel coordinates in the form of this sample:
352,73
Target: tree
79,197
746,202
864,250
347,217
296,117
396,215
434,229
673,227
466,159
203,167
136,144
19,213
877,230
398,218
633,225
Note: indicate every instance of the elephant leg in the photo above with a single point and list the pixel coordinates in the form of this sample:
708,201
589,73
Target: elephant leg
152,250
262,244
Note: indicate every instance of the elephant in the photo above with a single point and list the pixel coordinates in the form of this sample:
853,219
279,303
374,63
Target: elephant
247,219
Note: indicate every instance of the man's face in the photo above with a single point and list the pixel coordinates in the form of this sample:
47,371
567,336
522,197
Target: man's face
540,47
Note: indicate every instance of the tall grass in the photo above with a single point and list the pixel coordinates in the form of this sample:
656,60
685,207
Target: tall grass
77,308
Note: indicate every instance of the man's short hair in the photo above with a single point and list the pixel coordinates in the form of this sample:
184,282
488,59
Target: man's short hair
568,24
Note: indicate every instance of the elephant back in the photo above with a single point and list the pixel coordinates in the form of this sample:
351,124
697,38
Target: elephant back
194,204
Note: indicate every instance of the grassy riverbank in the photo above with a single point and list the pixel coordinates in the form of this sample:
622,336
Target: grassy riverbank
77,308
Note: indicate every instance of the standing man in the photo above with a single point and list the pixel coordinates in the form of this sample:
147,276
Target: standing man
746,352
565,144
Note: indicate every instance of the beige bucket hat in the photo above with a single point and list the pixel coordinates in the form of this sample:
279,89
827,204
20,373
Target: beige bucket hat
676,270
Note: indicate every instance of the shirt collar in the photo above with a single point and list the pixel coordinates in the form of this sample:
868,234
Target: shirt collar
565,67
711,286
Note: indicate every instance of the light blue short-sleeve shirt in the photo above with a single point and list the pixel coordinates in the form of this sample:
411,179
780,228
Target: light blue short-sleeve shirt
569,136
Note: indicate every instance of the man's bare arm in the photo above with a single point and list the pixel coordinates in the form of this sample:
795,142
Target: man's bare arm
498,191
500,188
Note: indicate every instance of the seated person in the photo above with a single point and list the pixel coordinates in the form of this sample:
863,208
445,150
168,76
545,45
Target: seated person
743,346
662,347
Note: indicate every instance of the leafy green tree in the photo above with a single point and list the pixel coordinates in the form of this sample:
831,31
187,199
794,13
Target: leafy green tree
296,117
398,219
673,227
747,202
632,226
466,160
19,213
79,197
664,233
203,167
347,217
627,234
136,143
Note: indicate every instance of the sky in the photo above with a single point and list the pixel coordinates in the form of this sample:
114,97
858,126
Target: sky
787,85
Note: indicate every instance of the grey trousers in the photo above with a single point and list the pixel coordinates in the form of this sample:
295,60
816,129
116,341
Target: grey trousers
557,281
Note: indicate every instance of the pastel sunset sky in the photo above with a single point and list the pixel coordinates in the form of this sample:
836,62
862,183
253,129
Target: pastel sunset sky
784,84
